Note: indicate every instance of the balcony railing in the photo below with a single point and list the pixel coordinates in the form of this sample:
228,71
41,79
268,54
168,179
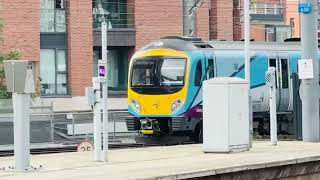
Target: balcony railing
267,9
53,20
117,20
119,13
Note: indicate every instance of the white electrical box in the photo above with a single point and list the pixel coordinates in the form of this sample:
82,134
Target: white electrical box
19,76
225,115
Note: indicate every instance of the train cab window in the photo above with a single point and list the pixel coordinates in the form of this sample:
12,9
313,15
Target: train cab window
197,80
284,73
273,63
210,69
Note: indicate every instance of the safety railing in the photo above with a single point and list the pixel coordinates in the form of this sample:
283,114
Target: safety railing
67,128
267,9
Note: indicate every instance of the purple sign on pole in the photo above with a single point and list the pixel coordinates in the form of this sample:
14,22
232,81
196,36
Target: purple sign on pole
102,71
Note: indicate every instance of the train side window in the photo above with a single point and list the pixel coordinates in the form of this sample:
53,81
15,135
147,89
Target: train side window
273,63
210,69
284,73
197,80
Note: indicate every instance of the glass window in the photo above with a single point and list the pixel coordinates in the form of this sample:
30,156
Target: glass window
143,72
47,71
53,72
118,12
270,34
282,33
172,72
117,67
284,73
61,61
52,16
189,19
210,68
273,63
198,76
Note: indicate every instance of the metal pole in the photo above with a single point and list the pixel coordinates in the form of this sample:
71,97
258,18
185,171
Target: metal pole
97,126
247,61
21,117
104,31
309,88
273,117
273,107
52,121
114,127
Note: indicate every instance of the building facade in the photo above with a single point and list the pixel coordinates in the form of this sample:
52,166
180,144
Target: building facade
63,37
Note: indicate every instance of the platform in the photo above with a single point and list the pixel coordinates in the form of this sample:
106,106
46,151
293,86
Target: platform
174,162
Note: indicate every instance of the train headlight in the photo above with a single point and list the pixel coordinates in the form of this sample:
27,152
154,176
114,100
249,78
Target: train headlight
175,105
136,105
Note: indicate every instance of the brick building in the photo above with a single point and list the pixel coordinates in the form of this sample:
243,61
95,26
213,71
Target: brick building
63,37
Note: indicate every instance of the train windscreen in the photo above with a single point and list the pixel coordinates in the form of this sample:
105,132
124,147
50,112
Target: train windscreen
158,75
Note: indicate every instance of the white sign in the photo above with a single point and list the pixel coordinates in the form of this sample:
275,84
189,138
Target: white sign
85,146
102,70
305,67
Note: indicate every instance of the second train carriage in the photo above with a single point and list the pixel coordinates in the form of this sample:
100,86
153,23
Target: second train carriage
165,80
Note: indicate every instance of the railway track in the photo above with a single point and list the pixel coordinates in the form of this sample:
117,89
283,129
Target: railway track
73,148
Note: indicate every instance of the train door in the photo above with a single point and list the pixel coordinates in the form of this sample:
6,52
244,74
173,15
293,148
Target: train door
284,83
273,62
281,63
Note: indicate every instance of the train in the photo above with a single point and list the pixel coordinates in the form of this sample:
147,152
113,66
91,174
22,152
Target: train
166,76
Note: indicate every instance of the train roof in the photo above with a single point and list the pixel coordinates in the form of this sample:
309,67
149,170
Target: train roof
181,43
256,46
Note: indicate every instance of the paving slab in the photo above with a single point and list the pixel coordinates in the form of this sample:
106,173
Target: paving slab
173,162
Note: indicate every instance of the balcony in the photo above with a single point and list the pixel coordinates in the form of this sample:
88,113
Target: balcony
120,15
267,12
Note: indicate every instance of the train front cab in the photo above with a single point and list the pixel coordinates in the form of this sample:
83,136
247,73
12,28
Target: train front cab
172,103
157,89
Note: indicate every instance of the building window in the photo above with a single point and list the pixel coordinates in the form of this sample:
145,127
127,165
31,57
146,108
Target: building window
270,33
118,12
282,33
189,18
278,33
53,72
292,25
53,16
59,4
117,67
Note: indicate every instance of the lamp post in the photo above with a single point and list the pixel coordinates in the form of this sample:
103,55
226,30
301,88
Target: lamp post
102,73
247,61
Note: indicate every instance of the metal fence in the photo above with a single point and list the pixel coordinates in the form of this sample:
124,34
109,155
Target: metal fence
267,8
67,128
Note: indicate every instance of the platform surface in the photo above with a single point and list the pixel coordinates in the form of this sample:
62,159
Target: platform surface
174,162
